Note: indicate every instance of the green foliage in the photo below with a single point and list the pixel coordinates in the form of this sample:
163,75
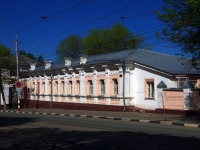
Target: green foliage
40,59
183,27
22,52
68,47
100,41
6,58
29,55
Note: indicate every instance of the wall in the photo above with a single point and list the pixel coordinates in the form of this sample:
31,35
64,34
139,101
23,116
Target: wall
195,100
142,73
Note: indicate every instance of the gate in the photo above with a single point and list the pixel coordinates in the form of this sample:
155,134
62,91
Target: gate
173,99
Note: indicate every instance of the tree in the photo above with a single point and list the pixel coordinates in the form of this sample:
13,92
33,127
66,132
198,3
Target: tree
69,47
6,63
183,28
118,37
29,55
40,59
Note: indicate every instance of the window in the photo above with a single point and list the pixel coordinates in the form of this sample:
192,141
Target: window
90,87
102,86
38,88
70,84
78,86
180,81
63,87
56,87
115,87
150,86
44,87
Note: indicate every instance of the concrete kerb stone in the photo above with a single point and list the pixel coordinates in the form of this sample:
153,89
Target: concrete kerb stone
111,118
191,125
166,122
62,114
96,117
145,121
126,119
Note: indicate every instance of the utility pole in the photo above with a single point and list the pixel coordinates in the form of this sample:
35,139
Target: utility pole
17,60
124,69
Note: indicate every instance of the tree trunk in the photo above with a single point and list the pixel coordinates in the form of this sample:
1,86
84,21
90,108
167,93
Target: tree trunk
1,90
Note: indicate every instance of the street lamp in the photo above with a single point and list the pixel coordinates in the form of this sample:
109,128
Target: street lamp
16,47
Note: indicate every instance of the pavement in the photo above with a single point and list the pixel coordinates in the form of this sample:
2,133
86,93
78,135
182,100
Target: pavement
178,120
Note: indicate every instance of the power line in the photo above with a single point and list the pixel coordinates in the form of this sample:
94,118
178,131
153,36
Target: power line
88,31
45,17
22,13
87,22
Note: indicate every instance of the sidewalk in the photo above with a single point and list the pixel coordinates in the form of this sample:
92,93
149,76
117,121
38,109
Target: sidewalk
188,121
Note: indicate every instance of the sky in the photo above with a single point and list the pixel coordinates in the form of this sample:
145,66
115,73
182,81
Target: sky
41,24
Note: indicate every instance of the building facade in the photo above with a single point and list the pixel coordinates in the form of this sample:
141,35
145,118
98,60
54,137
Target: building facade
127,78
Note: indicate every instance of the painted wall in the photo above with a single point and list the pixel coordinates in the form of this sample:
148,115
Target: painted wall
134,87
139,87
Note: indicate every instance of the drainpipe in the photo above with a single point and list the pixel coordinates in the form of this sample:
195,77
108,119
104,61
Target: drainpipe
124,86
51,90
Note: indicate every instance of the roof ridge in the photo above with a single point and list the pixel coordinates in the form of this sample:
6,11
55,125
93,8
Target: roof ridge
158,52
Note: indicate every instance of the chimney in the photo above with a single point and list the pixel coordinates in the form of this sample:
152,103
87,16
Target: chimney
33,65
67,61
47,64
83,59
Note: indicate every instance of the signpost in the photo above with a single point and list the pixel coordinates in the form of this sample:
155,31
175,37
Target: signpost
18,86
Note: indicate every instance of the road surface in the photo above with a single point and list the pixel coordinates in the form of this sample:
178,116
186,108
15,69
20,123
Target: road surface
31,131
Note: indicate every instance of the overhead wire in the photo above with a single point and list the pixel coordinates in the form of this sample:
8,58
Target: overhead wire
44,18
87,22
98,27
53,54
88,31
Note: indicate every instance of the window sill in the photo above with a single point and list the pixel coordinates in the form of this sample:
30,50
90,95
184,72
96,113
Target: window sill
113,96
102,95
148,98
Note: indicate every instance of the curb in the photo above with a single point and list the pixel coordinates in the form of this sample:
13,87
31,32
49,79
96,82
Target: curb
109,118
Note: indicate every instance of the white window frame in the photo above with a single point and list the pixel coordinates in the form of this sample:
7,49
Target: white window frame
150,89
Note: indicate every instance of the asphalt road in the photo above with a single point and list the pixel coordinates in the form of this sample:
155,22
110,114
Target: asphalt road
27,131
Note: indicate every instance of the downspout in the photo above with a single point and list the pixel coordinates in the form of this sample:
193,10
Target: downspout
124,86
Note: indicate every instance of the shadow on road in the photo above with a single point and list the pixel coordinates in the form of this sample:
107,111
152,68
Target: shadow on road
192,119
12,121
47,138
